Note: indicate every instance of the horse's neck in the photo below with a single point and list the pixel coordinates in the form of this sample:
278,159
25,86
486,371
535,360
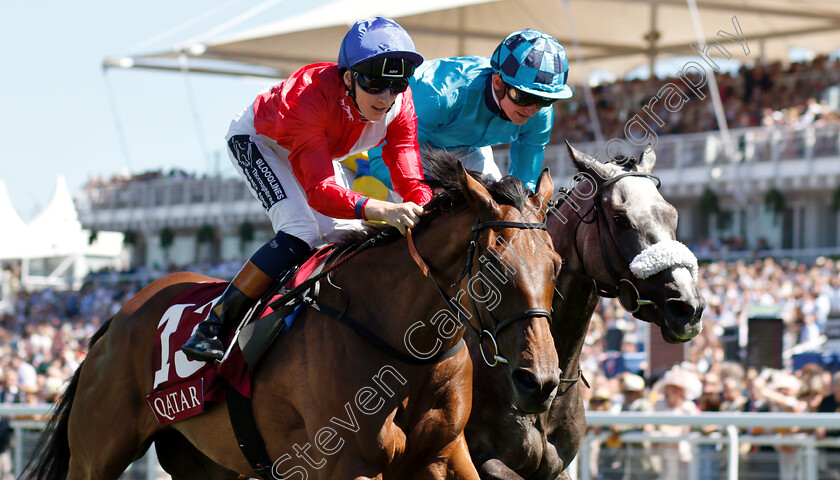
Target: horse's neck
572,312
574,307
564,222
388,291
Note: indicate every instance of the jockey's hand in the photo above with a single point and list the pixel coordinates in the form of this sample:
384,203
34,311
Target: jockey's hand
400,215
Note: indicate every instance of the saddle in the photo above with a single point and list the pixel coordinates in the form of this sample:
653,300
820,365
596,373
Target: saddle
276,311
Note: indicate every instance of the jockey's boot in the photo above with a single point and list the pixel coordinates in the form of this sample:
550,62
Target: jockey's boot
207,344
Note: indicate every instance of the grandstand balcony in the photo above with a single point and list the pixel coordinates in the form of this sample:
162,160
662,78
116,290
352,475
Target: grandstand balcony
149,204
802,164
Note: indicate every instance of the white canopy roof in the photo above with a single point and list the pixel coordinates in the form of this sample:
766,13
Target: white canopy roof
54,232
614,35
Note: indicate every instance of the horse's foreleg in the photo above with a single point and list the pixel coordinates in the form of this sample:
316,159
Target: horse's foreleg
495,469
183,461
453,463
460,462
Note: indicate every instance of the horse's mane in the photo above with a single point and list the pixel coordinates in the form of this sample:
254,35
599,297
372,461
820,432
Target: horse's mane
440,169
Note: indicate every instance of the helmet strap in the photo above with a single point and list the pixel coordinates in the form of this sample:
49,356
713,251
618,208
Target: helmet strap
498,97
351,92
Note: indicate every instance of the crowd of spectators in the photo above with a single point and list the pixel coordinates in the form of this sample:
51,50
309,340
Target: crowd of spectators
43,334
758,95
805,296
43,338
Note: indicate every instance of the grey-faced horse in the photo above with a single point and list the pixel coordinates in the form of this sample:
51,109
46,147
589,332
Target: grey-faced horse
616,235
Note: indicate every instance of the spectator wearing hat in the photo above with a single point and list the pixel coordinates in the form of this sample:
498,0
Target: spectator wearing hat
782,393
609,453
601,399
633,394
831,455
637,459
675,387
812,392
710,401
733,398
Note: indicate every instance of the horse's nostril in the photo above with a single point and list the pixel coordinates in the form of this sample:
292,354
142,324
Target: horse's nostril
525,381
550,385
679,309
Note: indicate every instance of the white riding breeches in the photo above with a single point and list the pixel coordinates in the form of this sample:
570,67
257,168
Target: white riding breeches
266,169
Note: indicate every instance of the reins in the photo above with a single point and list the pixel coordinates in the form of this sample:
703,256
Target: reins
602,224
481,332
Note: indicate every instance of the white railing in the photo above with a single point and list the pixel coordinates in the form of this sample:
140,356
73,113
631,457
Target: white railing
730,423
23,443
757,145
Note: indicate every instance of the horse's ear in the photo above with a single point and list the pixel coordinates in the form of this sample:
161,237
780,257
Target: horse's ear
587,164
477,196
647,161
544,190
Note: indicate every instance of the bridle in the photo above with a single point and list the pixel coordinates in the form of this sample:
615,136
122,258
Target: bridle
481,332
624,289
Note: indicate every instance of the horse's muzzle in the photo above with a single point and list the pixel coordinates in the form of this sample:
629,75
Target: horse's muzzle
534,392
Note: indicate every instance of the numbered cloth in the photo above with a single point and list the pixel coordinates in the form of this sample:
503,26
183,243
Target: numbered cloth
181,386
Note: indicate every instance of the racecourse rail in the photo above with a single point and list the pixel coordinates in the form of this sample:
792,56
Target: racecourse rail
730,422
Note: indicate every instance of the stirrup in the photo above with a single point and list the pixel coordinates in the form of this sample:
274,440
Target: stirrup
204,349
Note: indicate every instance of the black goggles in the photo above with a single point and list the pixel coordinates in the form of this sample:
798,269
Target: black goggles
377,85
526,99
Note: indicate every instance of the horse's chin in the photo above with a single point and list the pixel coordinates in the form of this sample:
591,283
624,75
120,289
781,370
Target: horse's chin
527,405
670,334
671,337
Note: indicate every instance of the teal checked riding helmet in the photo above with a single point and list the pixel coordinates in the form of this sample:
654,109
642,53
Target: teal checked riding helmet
533,62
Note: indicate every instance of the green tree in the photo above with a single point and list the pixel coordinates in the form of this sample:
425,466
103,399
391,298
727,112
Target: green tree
167,238
206,233
246,234
129,237
708,202
775,202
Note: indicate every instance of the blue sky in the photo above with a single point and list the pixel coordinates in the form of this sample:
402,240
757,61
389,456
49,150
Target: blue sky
57,114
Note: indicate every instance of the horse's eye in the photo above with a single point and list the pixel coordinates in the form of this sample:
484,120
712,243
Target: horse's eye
621,221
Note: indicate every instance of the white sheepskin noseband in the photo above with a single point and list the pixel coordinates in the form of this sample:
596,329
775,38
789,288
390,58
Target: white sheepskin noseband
662,256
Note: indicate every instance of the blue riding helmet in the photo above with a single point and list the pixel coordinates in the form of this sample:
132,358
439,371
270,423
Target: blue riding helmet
376,39
533,62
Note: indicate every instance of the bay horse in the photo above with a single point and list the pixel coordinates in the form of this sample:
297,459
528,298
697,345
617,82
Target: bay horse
613,216
313,373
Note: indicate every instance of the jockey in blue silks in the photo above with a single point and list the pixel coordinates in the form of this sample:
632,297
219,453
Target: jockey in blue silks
466,104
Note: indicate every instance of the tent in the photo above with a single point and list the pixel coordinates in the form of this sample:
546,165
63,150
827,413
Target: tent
610,35
53,248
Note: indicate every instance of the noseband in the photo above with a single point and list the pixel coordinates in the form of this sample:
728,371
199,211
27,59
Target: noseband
627,293
496,326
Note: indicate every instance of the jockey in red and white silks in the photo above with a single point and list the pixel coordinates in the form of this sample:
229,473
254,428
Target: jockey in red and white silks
302,121
286,146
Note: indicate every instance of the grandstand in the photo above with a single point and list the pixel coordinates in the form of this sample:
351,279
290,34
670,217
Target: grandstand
775,189
762,212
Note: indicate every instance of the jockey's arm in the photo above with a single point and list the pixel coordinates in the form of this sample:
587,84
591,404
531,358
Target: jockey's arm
399,215
328,197
527,152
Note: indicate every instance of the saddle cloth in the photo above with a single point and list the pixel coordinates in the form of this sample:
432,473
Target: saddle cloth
181,386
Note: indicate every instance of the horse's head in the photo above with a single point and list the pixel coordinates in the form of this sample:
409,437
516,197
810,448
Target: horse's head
512,282
616,229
